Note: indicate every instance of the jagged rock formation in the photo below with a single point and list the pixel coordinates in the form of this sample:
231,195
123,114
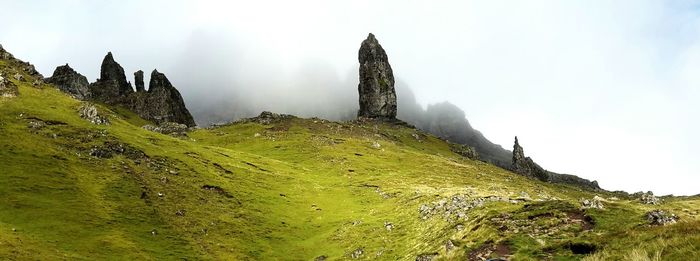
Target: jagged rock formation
70,81
161,103
112,87
376,88
527,167
661,218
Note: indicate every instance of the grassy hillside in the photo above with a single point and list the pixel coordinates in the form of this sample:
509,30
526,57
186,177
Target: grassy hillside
284,188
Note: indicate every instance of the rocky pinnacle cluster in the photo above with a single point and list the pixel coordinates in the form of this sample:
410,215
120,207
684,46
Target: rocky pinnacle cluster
160,103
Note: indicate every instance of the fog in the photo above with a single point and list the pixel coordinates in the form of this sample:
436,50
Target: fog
604,90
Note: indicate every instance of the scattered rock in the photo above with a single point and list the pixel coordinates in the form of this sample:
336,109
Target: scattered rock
321,258
70,81
426,257
111,148
661,218
376,145
267,118
357,253
376,88
19,77
180,212
89,112
154,232
454,208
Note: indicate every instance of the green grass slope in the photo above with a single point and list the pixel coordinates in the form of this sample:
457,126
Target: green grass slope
289,189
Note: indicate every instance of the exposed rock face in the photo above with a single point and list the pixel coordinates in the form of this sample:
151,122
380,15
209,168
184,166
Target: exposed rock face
138,76
70,81
112,87
162,103
376,88
527,167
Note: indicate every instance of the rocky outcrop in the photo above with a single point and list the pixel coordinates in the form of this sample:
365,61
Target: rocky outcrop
5,55
527,167
138,77
161,103
171,128
649,198
376,88
7,88
89,112
70,81
112,87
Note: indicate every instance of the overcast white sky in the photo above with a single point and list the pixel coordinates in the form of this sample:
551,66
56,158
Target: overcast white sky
607,90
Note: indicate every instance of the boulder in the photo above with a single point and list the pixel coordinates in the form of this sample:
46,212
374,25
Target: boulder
376,88
70,81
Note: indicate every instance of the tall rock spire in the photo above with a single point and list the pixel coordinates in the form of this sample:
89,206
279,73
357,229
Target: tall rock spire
112,87
138,81
376,88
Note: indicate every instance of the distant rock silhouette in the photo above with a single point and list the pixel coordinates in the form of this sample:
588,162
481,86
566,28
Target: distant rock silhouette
527,167
376,88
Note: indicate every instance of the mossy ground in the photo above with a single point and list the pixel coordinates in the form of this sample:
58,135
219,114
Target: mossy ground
290,190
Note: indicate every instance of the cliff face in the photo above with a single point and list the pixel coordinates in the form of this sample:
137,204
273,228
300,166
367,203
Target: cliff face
161,103
376,88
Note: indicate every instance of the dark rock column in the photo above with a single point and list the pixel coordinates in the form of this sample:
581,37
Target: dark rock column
376,88
138,77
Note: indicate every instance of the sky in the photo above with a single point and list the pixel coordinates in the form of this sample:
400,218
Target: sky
606,90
